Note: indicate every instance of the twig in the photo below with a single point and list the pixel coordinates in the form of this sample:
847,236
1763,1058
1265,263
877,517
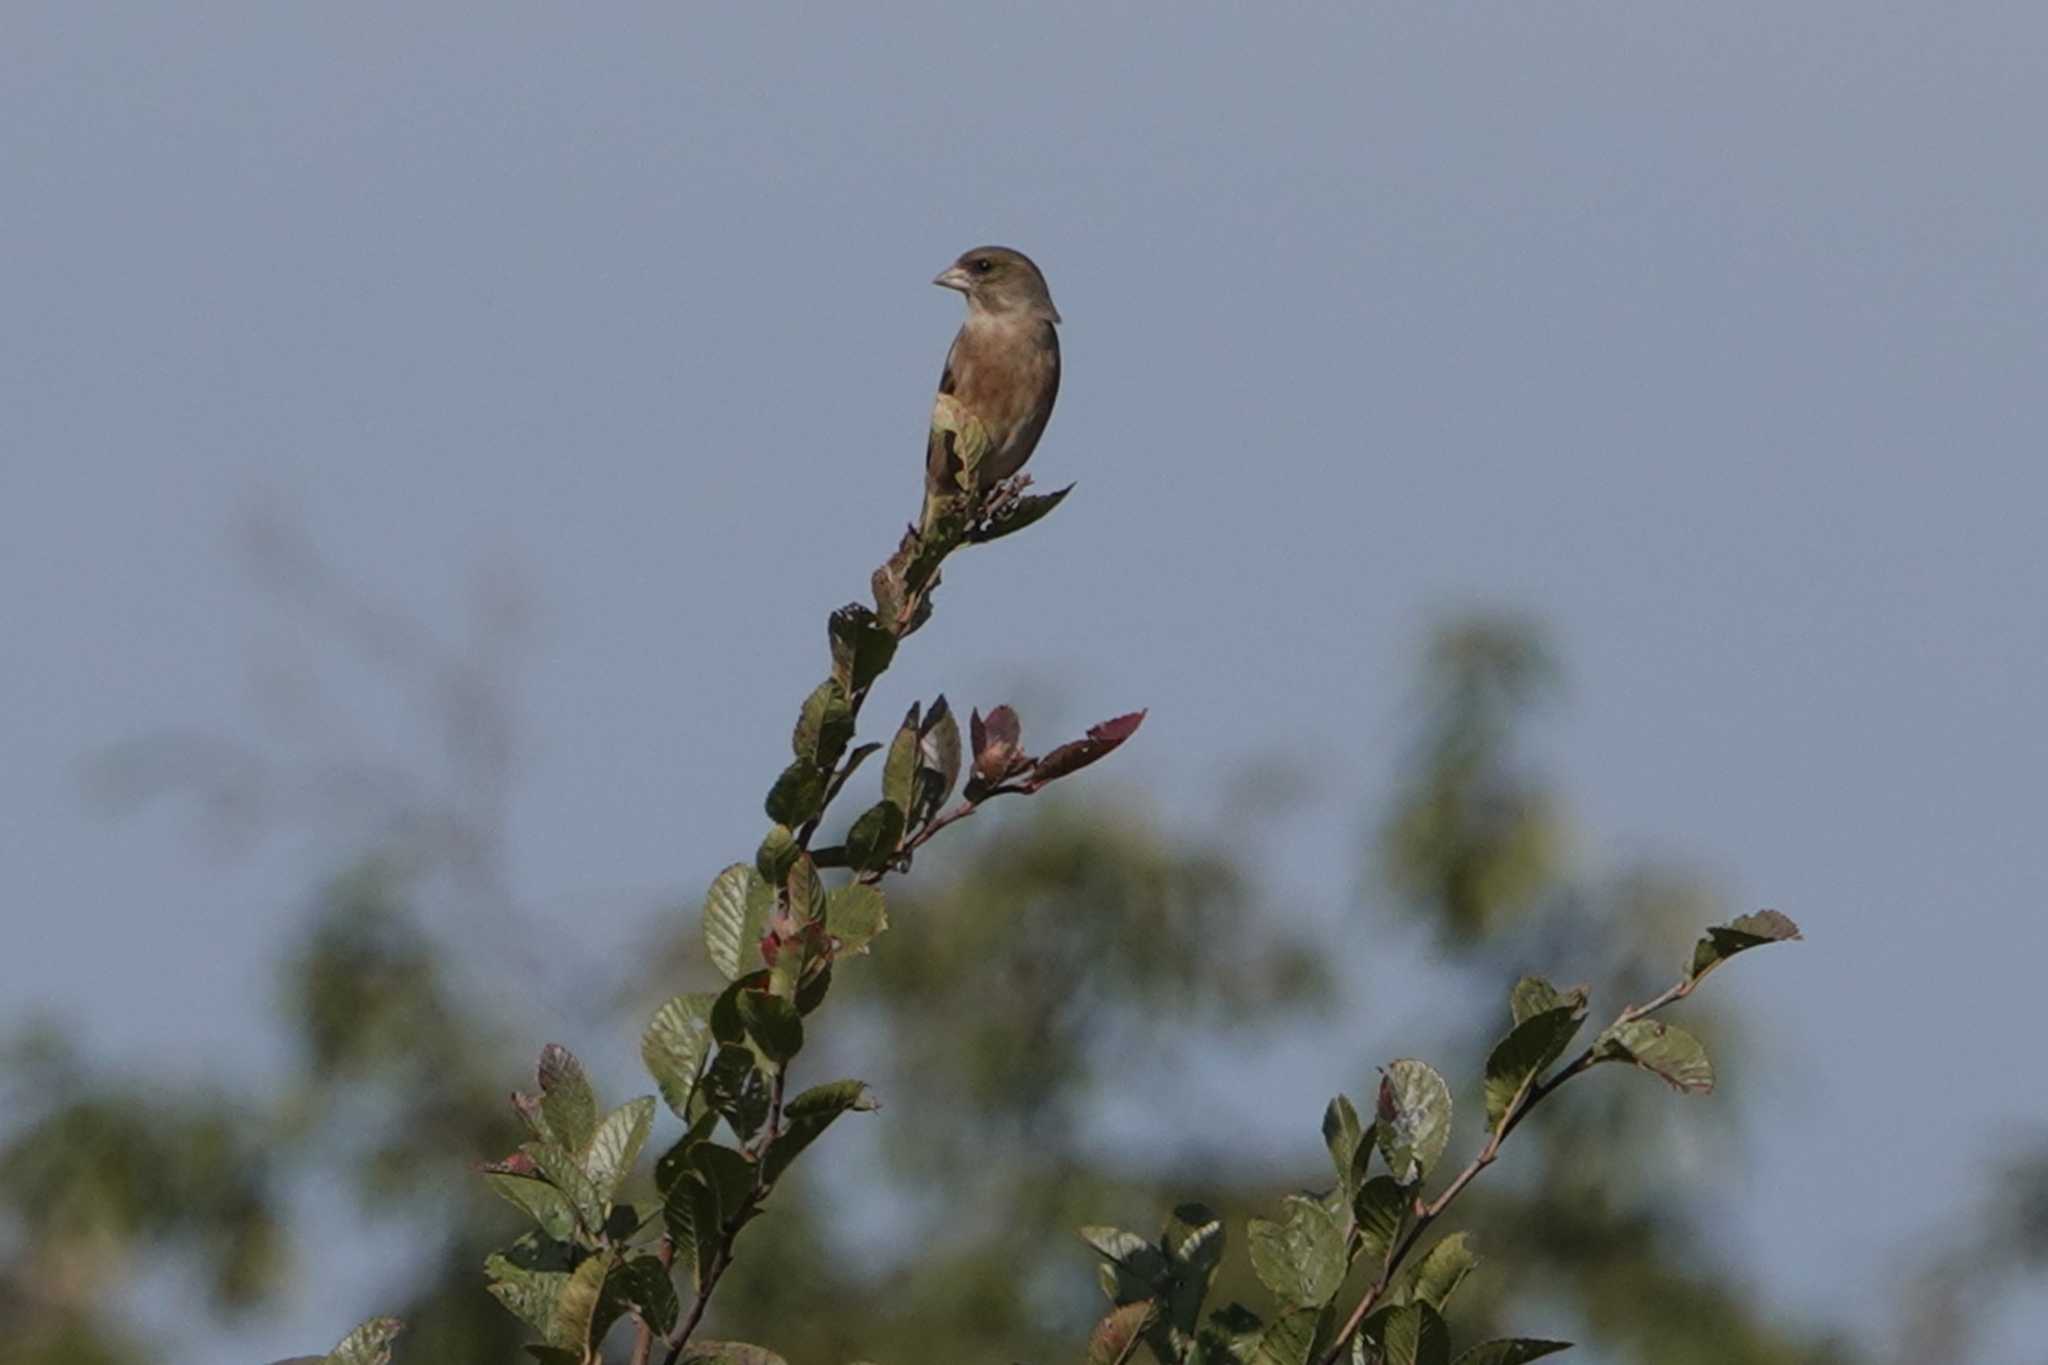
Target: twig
681,1335
923,836
730,1231
1426,1214
643,1336
904,623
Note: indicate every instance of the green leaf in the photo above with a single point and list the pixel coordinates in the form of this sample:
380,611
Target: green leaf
1115,1339
530,1296
1288,1339
737,1089
616,1145
971,441
729,1173
726,1026
566,1175
1738,935
542,1202
1018,515
937,537
939,752
1134,1267
777,854
646,1286
576,1307
1381,1206
1663,1049
1341,1131
566,1099
889,587
1230,1337
774,1025
676,1159
1534,995
798,794
861,649
1117,1244
691,1213
1192,1242
1350,1143
1518,1059
1414,1334
1441,1270
871,843
823,727
1511,1351
1302,1259
623,1223
786,959
1267,1241
368,1344
736,911
1414,1119
640,1285
729,1353
554,1355
855,914
810,992
899,770
806,891
675,1045
809,1115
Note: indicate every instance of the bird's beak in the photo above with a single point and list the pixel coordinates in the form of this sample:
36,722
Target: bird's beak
953,277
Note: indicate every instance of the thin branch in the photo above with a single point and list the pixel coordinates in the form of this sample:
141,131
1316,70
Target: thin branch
643,1336
676,1338
1426,1214
730,1232
932,827
913,605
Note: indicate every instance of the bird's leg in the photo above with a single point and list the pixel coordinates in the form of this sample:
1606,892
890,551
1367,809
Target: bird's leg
1002,497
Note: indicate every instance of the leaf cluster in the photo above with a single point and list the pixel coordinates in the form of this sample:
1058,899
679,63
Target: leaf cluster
1365,1228
775,931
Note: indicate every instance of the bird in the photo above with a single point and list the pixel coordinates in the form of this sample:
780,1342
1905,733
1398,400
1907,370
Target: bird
1002,371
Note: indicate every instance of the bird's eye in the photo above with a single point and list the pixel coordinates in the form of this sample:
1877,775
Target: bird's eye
984,265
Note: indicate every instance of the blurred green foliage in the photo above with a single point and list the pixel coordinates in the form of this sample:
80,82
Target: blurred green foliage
1057,1025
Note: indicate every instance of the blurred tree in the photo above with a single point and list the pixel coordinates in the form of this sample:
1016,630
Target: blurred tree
1996,1252
1075,961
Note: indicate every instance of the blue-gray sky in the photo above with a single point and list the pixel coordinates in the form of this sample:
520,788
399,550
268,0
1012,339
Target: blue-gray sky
1712,333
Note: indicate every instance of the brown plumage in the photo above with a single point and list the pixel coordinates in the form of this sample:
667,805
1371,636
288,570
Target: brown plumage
1003,369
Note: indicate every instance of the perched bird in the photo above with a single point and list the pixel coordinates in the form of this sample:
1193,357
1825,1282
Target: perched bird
1002,373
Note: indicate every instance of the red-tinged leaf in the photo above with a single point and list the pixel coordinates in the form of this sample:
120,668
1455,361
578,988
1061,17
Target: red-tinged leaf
807,937
528,1108
998,738
1116,1337
1069,758
519,1163
999,726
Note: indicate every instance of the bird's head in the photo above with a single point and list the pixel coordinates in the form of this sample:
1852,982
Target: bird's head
996,279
